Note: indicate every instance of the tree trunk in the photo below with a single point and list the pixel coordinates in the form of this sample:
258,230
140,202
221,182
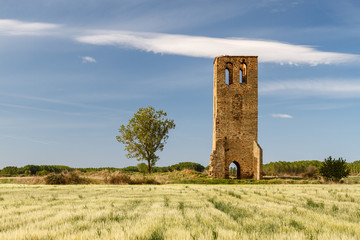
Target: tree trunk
149,166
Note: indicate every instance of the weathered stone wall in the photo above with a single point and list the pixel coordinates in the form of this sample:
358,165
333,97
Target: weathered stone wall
235,125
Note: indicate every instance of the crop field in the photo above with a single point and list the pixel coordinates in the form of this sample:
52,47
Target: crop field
180,212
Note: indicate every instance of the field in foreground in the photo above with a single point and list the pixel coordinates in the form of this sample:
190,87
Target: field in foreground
180,212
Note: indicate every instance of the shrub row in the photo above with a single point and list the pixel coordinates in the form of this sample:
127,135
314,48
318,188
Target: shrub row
289,168
33,170
302,168
42,170
180,166
65,178
299,168
112,178
123,178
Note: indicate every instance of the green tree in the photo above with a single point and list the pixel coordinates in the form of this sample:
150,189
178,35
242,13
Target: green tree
9,171
31,169
188,165
145,134
142,167
334,169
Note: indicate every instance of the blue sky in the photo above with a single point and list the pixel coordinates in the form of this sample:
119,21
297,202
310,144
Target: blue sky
71,72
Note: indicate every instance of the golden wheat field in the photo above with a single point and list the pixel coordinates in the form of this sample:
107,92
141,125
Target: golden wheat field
180,212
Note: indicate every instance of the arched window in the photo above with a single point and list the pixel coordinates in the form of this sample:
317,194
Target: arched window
241,76
227,76
243,72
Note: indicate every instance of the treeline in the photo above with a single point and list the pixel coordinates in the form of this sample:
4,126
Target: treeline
180,166
42,170
354,167
300,167
33,170
289,168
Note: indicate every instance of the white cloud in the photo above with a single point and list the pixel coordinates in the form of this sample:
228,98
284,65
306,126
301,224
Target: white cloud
48,100
208,47
313,87
92,97
87,59
281,115
15,27
193,46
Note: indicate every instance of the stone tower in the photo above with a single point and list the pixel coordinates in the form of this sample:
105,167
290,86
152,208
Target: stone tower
235,125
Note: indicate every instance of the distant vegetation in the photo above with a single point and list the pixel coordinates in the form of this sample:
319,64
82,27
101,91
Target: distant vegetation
289,168
301,168
42,170
184,172
33,170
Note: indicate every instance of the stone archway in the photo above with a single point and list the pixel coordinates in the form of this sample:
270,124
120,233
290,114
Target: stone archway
234,170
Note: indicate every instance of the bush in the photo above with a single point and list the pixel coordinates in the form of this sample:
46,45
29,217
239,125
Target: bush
73,178
332,169
150,181
118,178
42,173
55,179
142,167
67,178
188,165
123,178
311,172
161,169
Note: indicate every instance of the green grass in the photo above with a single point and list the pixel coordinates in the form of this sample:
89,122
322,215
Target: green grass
353,178
6,180
142,212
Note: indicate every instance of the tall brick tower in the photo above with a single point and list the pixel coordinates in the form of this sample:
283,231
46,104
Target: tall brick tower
235,125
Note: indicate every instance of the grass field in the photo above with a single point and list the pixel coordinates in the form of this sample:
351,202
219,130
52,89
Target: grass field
180,212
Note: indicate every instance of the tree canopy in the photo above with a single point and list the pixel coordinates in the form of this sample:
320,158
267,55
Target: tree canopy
334,169
145,134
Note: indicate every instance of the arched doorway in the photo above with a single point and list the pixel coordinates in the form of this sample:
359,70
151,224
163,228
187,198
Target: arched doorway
234,170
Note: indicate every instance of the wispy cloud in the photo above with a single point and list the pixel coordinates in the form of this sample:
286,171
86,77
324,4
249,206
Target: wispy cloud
77,108
186,45
87,59
53,101
42,109
281,115
78,99
313,87
16,27
208,47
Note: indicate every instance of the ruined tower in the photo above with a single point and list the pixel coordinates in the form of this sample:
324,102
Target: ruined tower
235,125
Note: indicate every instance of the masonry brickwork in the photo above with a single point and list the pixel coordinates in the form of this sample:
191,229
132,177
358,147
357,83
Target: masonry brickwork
235,124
